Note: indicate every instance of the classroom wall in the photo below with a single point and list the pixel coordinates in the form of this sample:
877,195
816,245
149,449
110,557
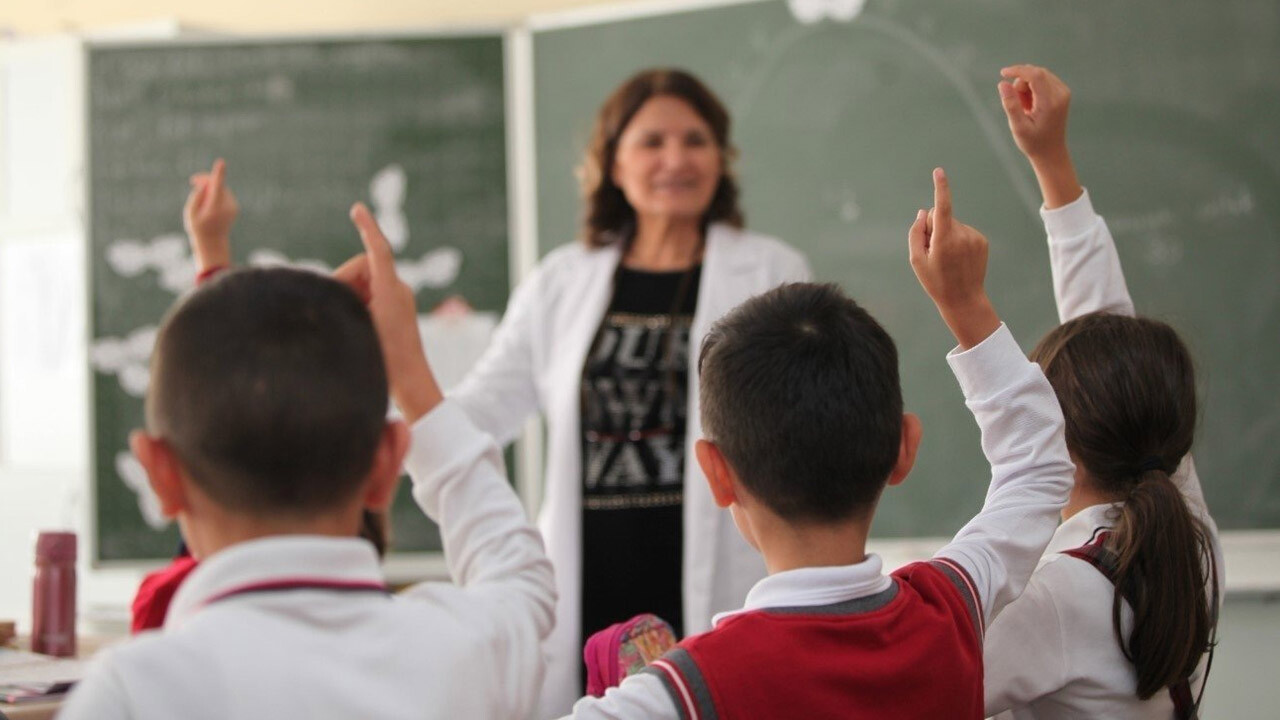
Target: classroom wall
293,16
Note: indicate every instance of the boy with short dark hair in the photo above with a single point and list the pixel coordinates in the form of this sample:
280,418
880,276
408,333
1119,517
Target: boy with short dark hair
267,437
802,412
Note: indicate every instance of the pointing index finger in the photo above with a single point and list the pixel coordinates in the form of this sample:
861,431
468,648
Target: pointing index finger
377,247
217,178
941,198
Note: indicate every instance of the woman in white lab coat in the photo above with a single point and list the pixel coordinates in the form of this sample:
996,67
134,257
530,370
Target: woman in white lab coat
602,341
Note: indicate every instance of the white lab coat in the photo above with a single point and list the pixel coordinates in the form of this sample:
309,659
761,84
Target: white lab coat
534,365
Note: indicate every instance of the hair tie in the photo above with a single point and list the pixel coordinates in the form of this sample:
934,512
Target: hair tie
1149,463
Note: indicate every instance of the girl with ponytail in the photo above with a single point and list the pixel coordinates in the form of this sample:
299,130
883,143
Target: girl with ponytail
1118,619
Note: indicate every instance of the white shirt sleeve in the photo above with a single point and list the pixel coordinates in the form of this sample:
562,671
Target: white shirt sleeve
505,590
640,696
1082,254
99,696
1025,652
500,392
1031,472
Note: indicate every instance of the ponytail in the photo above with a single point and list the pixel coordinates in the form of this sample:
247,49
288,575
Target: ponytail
1127,390
1163,582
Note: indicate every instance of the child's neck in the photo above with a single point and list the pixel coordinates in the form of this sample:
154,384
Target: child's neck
219,529
790,547
1085,495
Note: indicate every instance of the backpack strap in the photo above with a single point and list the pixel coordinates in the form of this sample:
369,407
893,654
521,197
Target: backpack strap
1104,560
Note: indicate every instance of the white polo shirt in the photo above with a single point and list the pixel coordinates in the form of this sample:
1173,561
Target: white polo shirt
297,627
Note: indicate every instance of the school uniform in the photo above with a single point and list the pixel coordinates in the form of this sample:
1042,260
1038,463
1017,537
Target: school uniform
302,626
535,365
852,642
1053,652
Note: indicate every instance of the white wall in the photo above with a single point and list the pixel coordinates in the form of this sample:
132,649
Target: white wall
283,16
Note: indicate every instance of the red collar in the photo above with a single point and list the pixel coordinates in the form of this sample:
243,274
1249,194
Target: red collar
301,583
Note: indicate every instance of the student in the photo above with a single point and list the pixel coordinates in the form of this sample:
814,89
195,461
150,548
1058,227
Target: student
208,215
802,414
266,437
1075,644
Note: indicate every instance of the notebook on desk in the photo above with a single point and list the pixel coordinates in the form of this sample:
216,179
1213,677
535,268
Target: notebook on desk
27,676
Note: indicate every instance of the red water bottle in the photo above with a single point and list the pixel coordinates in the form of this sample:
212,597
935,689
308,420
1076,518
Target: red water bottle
53,607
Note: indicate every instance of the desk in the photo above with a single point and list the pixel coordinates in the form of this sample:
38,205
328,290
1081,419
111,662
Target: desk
86,646
31,710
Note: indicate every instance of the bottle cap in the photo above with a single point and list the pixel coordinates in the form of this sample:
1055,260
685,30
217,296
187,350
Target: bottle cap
56,546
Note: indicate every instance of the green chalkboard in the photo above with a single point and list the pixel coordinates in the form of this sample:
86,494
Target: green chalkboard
413,126
840,121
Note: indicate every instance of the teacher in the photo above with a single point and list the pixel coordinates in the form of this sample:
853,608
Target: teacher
602,339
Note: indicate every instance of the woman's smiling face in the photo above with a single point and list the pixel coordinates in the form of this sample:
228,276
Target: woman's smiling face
667,163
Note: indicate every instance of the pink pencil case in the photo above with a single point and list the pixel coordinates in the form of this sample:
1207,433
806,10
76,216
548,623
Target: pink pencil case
623,649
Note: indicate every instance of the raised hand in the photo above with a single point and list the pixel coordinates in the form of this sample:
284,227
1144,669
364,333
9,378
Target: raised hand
354,273
208,215
950,260
395,316
1036,103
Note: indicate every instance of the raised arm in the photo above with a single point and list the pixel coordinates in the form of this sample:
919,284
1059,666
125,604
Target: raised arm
1087,276
499,392
1086,269
1016,410
505,590
208,216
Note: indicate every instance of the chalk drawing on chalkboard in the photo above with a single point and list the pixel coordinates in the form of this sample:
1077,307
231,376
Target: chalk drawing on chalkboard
135,477
1227,204
265,257
438,268
127,358
814,11
166,254
386,192
946,65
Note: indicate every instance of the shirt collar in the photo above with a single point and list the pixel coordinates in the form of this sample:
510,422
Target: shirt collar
1079,529
281,557
815,587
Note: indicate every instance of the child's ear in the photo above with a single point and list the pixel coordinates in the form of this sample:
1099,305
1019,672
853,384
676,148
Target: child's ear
717,470
384,474
912,433
164,471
